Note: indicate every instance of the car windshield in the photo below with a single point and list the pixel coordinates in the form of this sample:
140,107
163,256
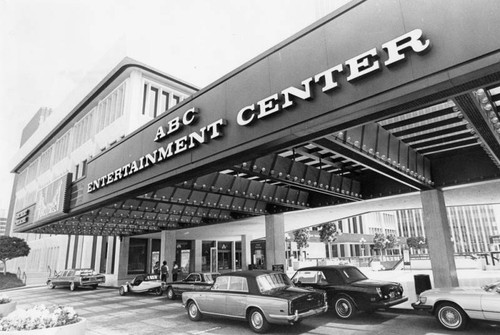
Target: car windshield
210,277
86,272
352,275
272,281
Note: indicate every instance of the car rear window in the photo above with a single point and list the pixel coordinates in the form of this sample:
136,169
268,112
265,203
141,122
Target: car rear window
222,283
272,281
307,277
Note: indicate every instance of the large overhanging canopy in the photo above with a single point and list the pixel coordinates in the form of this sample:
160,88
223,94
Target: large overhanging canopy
347,110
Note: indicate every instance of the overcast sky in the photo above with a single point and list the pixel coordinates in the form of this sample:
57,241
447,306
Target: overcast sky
49,47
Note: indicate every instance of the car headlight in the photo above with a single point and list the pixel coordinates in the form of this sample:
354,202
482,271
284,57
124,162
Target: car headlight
422,299
379,291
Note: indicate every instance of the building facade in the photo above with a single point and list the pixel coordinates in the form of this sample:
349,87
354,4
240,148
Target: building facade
129,101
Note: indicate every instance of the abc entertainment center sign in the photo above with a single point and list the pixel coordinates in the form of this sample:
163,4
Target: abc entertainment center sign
353,69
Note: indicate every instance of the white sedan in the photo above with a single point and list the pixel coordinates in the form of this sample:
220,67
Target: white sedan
454,307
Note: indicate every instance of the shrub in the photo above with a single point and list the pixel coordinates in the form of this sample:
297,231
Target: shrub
39,317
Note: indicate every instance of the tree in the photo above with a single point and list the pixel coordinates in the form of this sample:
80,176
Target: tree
379,242
391,241
328,233
301,237
12,247
418,242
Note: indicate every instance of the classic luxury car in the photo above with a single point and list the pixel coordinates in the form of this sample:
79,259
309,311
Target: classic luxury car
261,297
143,284
454,307
76,278
195,281
349,290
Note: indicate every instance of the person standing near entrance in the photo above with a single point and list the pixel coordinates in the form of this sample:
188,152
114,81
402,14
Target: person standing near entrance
164,271
175,271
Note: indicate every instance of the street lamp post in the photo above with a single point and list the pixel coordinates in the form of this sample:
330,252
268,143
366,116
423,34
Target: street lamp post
362,241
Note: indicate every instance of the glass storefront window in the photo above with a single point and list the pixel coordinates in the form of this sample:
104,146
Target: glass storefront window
205,255
224,256
137,256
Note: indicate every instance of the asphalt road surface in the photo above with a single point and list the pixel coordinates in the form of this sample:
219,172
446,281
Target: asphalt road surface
108,314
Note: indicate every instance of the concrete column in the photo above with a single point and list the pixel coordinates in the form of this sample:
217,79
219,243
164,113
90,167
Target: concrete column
246,252
439,241
275,240
121,263
149,264
168,249
98,251
197,255
79,252
347,249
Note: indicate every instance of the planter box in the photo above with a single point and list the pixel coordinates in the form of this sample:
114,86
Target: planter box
5,309
78,328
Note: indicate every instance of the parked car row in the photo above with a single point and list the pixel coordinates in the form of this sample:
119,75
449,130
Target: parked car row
265,297
262,297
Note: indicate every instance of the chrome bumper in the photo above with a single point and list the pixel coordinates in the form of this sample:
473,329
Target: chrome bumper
295,317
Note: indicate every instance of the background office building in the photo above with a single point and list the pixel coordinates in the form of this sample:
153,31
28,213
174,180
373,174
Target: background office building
3,221
474,229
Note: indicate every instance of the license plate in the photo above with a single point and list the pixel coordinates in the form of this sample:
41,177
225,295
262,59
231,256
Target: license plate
392,295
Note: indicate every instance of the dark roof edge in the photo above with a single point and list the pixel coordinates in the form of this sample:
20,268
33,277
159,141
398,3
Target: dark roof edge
123,65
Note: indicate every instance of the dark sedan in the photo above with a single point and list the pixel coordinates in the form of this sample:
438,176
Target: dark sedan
76,278
195,281
349,290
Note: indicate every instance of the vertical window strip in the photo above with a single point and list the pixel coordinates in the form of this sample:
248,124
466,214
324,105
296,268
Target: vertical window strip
144,98
165,100
121,98
100,117
22,179
176,99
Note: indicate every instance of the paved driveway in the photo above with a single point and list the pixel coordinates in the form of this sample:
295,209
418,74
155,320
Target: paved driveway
109,314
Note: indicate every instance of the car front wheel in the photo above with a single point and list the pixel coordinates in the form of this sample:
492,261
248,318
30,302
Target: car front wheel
344,307
72,286
158,291
257,321
122,291
194,313
170,293
50,285
451,316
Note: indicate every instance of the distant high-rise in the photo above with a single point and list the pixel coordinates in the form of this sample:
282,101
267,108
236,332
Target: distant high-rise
3,221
